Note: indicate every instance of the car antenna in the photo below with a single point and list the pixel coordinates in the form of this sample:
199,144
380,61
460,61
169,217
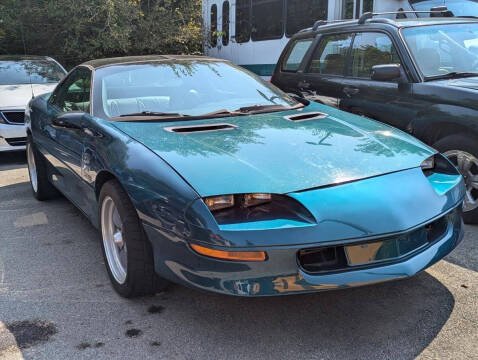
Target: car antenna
25,51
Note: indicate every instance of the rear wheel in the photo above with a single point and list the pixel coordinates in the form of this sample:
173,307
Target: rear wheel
41,187
127,252
463,152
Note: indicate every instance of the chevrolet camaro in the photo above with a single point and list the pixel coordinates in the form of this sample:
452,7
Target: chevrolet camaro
196,171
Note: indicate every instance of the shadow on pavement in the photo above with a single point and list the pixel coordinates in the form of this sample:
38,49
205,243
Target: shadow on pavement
12,160
466,254
394,320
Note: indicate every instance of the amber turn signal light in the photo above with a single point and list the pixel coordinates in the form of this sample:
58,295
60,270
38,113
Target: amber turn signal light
230,255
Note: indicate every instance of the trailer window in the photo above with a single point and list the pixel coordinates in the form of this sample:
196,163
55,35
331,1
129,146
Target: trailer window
243,21
348,9
267,19
303,14
214,25
225,23
367,6
296,55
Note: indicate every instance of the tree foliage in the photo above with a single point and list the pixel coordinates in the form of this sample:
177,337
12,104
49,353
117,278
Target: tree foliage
74,31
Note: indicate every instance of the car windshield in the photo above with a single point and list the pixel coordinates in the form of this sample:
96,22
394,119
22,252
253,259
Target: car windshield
458,7
191,88
30,71
442,50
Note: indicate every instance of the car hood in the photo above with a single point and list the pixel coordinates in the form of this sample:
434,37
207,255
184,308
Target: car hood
18,96
269,153
467,83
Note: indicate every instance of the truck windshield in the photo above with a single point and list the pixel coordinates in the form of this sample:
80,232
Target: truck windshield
26,71
458,7
441,50
188,88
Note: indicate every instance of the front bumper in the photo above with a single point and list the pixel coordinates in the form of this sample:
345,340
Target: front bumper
282,273
12,137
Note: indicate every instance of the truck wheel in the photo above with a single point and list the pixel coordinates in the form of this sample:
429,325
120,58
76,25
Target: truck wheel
463,152
127,252
41,187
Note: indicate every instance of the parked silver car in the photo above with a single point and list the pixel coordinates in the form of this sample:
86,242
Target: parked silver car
21,78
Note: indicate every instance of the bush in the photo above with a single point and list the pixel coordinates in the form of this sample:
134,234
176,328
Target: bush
74,31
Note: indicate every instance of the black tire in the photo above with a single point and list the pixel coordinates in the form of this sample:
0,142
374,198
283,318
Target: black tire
44,189
461,143
141,278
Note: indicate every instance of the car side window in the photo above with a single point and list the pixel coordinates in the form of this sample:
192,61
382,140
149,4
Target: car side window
331,55
74,93
296,55
370,49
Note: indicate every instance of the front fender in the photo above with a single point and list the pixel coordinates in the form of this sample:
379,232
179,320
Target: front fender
440,120
159,194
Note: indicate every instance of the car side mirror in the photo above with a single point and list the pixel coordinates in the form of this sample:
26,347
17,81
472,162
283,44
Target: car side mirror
389,72
69,120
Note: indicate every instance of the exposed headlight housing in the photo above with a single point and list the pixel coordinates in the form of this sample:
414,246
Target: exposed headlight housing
438,163
428,164
215,203
256,199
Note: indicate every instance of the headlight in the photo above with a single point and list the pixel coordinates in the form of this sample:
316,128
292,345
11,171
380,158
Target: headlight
438,163
256,199
221,202
428,164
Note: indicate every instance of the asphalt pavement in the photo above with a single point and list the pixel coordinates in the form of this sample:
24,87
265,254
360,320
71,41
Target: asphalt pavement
56,302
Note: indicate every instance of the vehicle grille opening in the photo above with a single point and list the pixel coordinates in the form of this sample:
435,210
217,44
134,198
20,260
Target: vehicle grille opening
200,128
306,116
334,258
21,141
323,259
14,117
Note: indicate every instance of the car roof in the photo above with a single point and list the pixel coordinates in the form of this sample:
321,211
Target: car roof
23,57
397,23
99,63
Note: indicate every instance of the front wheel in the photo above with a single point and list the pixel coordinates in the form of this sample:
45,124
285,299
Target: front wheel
127,252
463,153
37,170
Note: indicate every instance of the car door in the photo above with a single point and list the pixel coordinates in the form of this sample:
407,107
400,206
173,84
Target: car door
63,130
323,78
387,101
289,76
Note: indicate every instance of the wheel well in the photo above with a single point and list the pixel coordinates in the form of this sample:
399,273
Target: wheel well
101,179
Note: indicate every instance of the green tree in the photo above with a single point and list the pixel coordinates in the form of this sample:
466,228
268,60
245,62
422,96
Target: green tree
75,31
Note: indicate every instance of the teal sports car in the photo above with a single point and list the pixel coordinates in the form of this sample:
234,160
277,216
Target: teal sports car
198,172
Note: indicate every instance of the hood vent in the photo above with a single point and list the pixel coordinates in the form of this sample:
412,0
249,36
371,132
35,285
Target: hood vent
306,116
200,128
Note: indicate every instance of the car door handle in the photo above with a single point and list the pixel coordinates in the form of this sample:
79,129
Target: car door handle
350,91
303,85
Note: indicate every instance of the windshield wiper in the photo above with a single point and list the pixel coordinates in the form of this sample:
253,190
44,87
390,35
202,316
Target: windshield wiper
153,113
254,109
248,109
451,75
222,112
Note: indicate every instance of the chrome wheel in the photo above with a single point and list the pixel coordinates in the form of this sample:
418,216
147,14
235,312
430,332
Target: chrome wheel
113,242
467,164
32,168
